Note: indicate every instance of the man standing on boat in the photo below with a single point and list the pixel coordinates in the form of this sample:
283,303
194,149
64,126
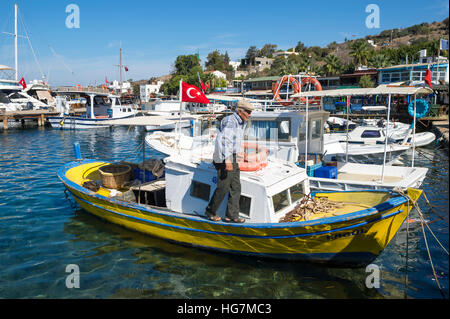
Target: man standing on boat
228,144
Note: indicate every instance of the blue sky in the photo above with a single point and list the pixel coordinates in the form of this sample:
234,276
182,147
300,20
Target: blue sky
154,33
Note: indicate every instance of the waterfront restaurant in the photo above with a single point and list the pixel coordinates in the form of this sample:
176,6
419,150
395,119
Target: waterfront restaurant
414,73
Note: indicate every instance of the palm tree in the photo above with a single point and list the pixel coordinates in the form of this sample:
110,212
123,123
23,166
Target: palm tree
379,61
360,51
332,64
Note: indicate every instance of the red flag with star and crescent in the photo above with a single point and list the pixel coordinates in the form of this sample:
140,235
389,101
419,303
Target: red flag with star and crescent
23,83
191,93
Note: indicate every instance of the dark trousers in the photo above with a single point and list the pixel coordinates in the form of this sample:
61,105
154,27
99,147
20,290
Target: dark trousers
227,181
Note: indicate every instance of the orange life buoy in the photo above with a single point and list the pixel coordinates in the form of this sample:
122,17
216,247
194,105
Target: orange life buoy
276,89
317,87
252,161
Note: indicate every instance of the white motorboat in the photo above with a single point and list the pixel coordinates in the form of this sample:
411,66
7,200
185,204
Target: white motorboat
39,90
402,132
100,107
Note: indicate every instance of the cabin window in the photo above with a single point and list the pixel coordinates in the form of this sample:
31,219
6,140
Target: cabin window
316,131
371,134
280,200
269,130
129,110
200,190
244,205
297,192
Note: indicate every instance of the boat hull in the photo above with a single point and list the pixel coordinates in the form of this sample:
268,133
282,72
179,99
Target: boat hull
353,241
77,123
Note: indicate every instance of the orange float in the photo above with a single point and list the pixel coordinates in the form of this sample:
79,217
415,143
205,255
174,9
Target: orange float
317,87
276,89
253,161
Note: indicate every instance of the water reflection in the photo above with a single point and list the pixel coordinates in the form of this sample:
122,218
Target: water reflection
164,269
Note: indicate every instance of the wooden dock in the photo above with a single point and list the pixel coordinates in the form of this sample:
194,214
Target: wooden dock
40,116
441,128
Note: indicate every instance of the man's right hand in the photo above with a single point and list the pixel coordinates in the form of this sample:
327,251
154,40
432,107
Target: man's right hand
228,166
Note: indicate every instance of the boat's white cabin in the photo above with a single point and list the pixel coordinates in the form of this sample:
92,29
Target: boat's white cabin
266,195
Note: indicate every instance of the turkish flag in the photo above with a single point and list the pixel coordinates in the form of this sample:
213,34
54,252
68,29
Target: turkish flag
428,77
126,69
23,83
191,93
106,80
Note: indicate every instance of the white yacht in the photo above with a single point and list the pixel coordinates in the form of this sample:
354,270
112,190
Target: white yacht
100,107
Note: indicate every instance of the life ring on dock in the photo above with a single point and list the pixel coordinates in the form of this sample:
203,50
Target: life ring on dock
317,87
276,89
422,107
254,160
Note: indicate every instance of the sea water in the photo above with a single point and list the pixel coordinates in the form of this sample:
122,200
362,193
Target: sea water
44,235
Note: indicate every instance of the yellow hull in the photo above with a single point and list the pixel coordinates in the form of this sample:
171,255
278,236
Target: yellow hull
355,238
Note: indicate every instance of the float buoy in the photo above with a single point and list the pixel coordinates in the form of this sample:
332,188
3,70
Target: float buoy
276,89
252,161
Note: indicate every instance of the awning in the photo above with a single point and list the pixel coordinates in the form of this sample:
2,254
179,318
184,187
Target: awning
148,120
382,89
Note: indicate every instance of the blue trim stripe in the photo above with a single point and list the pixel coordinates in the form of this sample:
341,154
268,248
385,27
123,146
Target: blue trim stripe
241,235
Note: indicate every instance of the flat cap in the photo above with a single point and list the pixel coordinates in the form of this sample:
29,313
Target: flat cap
242,104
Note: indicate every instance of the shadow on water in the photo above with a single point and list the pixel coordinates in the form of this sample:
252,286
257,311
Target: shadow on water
176,271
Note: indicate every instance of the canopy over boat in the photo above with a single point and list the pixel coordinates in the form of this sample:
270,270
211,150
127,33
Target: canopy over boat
149,120
382,89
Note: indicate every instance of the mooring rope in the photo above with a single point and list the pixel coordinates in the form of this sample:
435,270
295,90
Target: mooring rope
422,220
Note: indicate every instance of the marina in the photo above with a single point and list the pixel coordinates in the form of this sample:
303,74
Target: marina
332,162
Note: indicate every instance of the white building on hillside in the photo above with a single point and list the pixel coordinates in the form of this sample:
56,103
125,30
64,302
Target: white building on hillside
115,85
217,74
147,89
235,64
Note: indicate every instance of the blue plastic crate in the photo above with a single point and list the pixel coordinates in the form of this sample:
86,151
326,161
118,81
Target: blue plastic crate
139,175
326,172
311,168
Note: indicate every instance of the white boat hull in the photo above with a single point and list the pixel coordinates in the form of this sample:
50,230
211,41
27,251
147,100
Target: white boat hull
77,123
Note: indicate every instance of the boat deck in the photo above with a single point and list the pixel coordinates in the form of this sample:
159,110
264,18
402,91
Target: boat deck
368,177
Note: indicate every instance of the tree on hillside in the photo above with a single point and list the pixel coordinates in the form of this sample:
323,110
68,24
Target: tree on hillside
366,82
267,50
379,61
333,64
360,50
282,66
300,47
252,53
215,61
185,63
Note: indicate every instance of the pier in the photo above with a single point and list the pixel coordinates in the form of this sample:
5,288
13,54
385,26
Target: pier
40,116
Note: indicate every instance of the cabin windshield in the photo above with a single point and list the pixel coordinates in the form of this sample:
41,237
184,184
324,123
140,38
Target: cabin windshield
278,129
288,196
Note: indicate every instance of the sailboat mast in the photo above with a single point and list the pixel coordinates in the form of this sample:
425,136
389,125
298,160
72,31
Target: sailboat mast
120,66
15,42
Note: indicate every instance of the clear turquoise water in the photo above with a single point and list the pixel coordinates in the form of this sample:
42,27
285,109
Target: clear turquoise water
41,233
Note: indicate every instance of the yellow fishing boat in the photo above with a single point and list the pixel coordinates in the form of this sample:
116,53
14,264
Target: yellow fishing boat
171,207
